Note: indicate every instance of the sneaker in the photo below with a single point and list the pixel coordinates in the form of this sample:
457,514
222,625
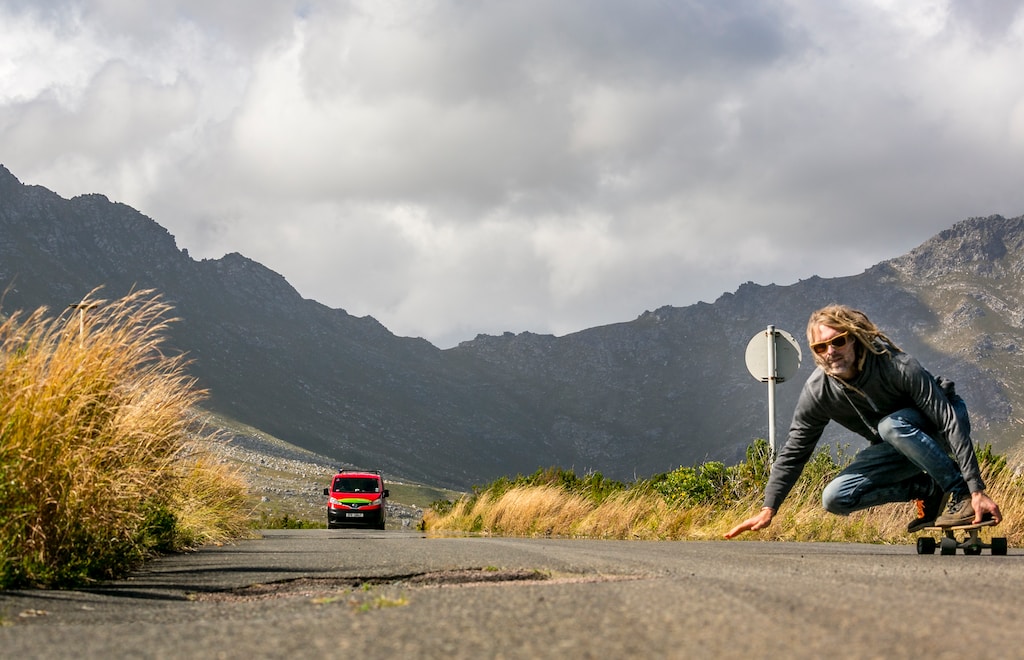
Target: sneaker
958,512
928,509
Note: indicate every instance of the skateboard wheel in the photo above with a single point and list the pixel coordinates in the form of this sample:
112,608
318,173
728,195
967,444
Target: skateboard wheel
972,549
947,546
999,546
926,545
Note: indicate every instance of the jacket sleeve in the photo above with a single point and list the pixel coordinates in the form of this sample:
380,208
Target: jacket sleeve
953,425
809,421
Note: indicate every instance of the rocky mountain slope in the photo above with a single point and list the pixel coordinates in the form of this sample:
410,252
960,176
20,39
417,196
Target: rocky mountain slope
630,399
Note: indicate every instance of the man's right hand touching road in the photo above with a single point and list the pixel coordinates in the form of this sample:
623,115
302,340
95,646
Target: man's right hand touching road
760,521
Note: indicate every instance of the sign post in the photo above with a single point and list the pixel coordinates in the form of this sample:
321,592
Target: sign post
772,357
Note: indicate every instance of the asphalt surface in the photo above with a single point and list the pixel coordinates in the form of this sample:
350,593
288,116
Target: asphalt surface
347,593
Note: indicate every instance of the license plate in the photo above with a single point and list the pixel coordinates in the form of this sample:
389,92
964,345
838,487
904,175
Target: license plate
353,515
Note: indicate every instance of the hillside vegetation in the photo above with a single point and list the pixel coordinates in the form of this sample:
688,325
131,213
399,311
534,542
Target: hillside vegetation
98,465
696,503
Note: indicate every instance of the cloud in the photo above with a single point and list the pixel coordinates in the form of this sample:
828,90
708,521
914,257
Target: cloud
453,168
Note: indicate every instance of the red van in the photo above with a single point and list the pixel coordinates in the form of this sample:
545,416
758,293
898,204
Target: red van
357,498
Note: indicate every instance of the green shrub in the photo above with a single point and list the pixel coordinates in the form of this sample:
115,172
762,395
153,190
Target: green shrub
991,463
286,522
705,484
751,476
594,486
442,507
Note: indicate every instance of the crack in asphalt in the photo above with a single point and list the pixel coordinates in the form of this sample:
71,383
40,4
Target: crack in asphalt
316,586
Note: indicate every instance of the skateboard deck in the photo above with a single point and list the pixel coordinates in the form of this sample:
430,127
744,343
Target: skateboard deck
970,542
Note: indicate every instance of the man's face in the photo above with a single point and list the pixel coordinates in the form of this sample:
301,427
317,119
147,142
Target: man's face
838,361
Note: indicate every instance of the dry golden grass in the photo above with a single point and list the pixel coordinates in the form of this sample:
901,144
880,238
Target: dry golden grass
546,510
535,511
210,502
95,465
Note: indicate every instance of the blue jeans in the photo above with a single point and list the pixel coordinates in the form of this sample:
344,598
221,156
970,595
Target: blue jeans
908,464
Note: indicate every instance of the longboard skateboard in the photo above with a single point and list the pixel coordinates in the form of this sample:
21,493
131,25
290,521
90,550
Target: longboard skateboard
948,543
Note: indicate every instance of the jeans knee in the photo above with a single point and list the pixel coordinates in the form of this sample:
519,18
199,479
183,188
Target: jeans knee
891,427
834,500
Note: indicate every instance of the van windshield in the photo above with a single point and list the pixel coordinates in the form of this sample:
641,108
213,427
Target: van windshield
355,485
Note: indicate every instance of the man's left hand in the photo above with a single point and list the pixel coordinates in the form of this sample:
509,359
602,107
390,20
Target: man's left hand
983,505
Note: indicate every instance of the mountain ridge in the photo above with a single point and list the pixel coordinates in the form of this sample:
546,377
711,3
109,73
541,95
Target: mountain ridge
628,399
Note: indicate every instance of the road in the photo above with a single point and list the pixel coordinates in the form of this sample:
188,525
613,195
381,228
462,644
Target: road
347,593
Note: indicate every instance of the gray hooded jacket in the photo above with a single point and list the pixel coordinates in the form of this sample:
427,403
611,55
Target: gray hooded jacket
887,383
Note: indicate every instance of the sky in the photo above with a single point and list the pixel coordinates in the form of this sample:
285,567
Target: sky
456,167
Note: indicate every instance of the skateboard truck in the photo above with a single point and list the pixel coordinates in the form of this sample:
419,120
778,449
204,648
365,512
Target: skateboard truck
971,543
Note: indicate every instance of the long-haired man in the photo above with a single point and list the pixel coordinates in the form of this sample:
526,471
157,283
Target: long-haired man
919,433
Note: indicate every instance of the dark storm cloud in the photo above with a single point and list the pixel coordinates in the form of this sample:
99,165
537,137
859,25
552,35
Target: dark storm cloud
454,167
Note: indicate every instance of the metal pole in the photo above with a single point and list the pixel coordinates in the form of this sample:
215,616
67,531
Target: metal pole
771,388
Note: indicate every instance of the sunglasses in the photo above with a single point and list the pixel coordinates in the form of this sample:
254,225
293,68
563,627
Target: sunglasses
838,341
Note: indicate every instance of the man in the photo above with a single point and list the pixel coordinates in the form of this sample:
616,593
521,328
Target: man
919,433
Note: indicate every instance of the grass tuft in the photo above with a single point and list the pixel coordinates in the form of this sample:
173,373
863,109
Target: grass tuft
97,469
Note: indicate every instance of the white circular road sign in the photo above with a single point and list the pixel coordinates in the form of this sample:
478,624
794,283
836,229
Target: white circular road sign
773,348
